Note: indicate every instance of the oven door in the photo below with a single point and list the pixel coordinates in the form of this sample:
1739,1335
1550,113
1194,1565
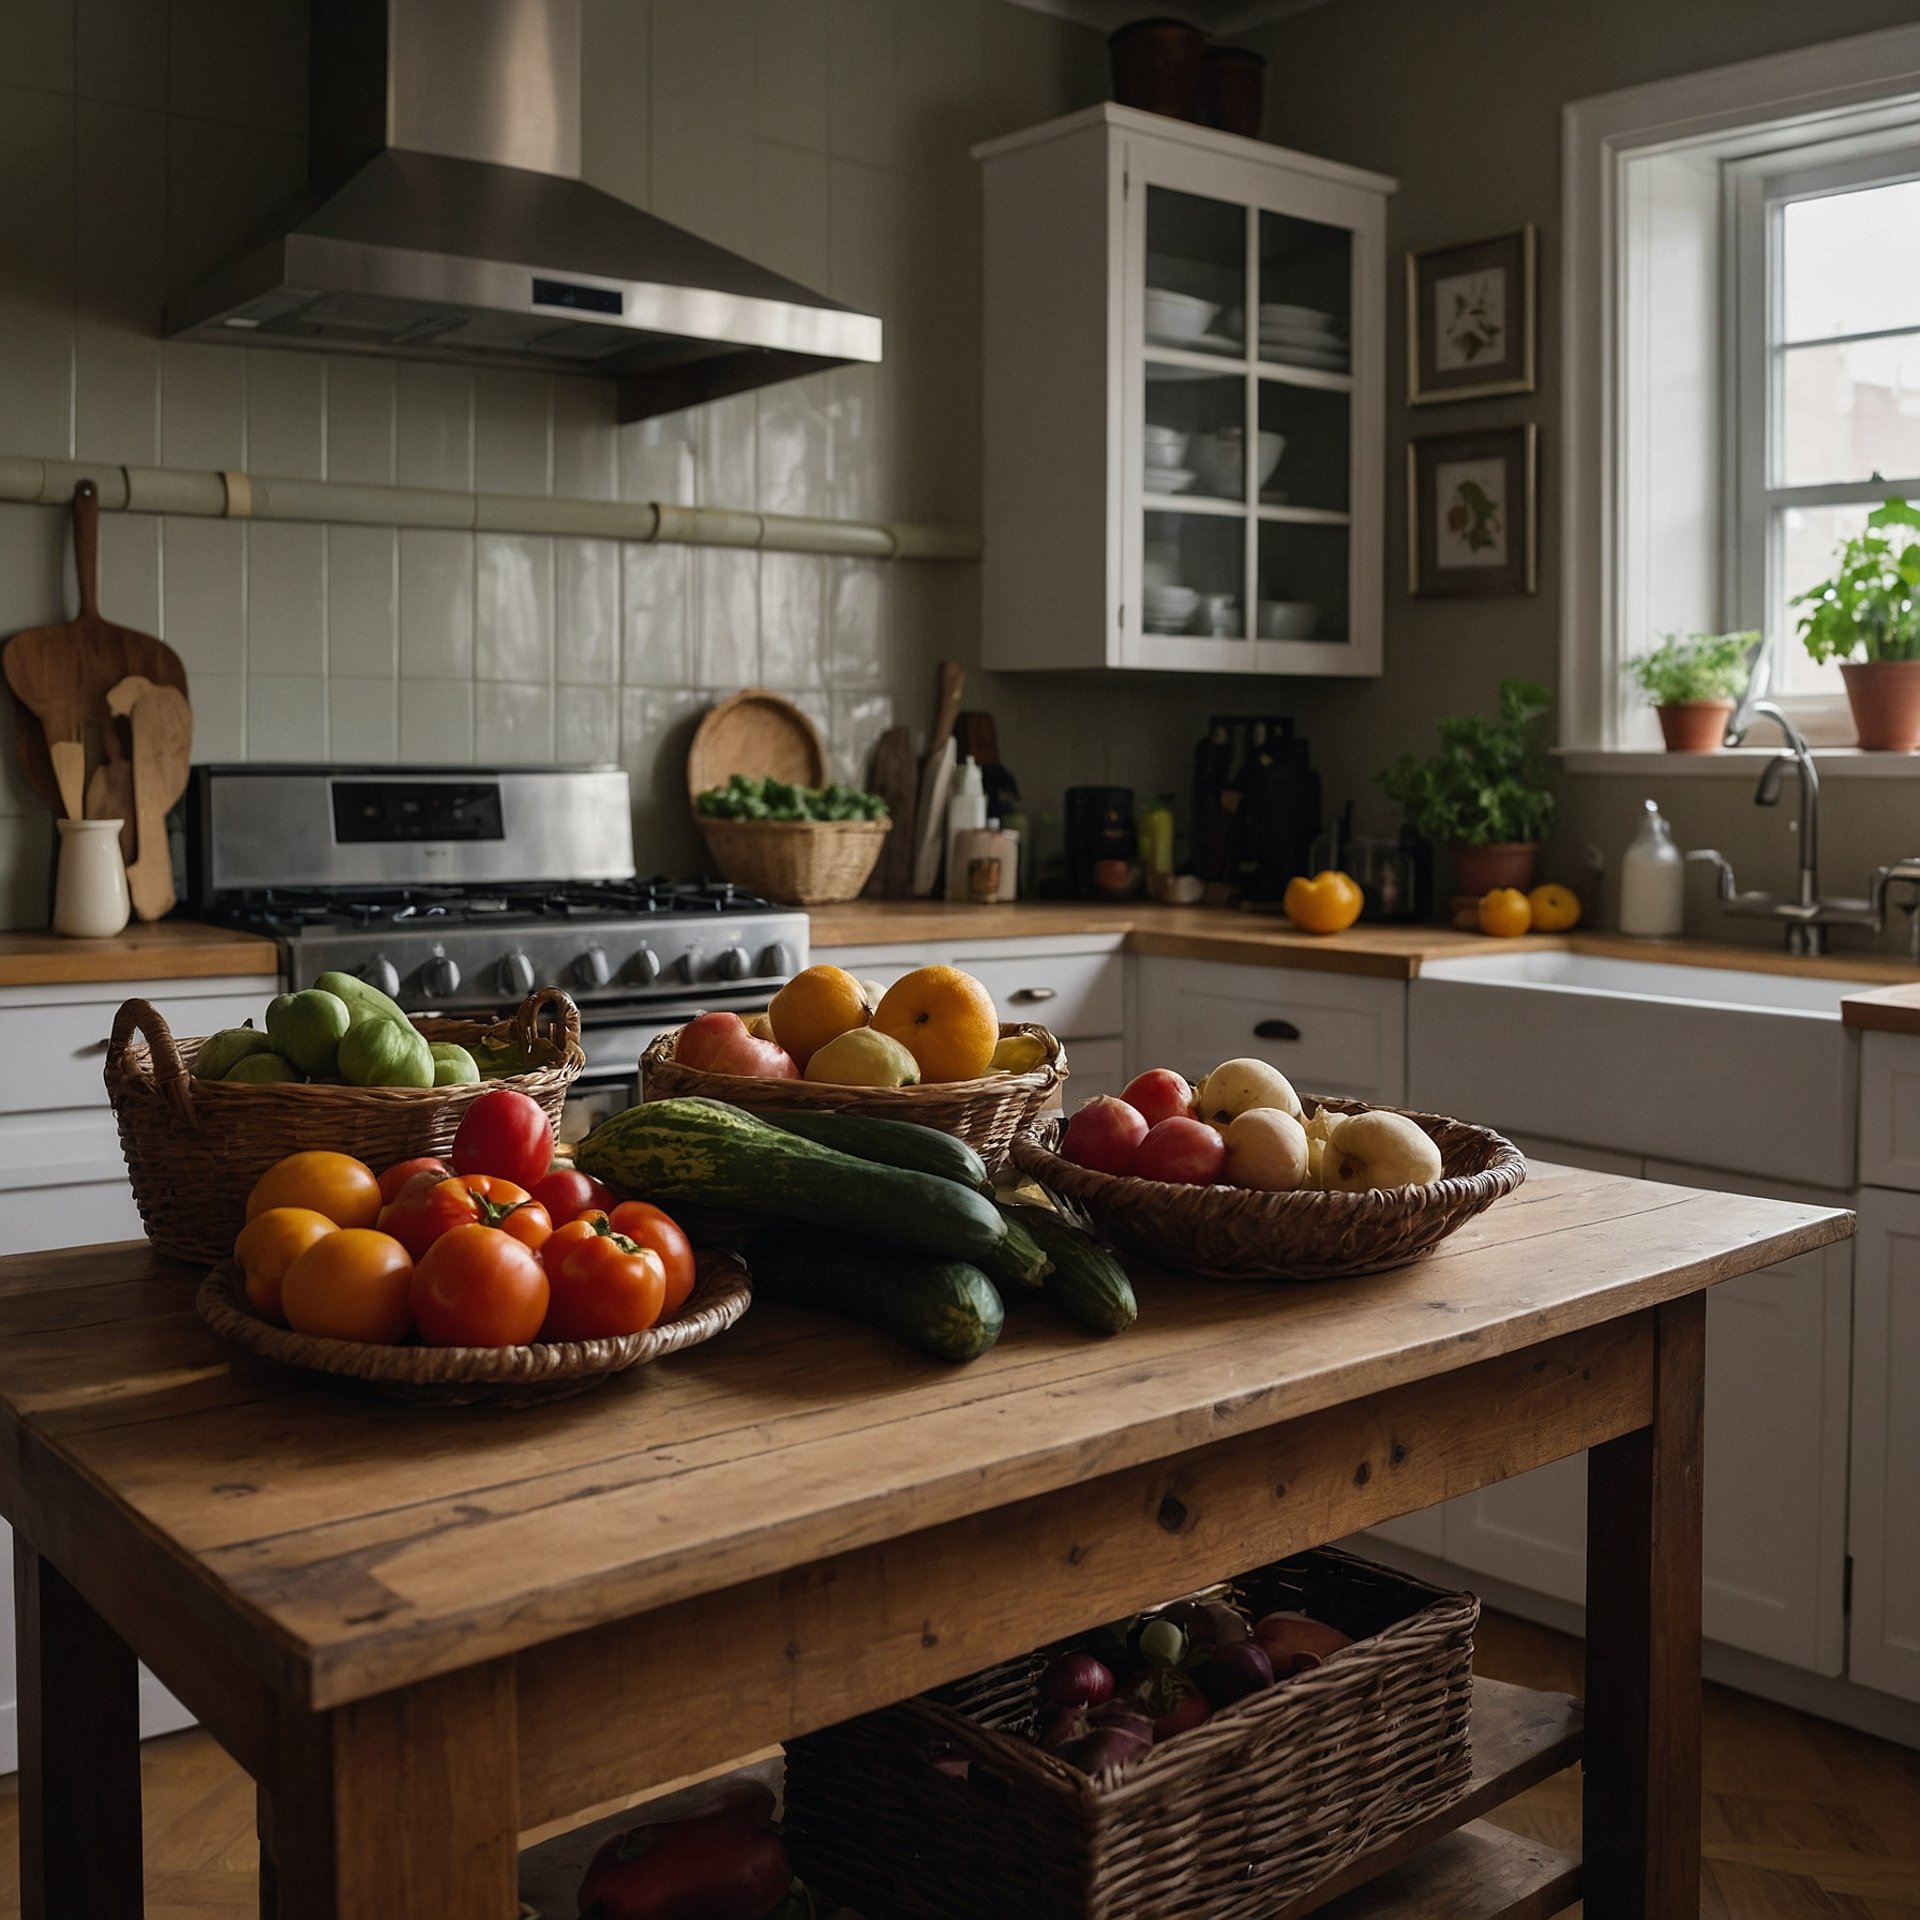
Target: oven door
614,1038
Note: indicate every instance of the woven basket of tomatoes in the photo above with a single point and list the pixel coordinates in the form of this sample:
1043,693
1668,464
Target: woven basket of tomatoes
490,1275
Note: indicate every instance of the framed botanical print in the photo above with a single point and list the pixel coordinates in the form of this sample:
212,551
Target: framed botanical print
1473,512
1470,319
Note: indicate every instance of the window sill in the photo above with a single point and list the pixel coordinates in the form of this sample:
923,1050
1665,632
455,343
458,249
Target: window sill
1734,763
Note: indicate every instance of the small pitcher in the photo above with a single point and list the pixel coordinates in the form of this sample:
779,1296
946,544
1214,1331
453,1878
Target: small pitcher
90,894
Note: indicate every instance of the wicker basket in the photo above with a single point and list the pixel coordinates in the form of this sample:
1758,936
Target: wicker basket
1263,1802
194,1148
464,1376
801,863
1234,1233
986,1114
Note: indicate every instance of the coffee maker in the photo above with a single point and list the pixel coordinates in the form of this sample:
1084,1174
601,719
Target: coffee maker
1100,827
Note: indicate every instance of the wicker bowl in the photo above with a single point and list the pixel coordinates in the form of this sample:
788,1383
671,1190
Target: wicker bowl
194,1148
801,863
986,1114
465,1376
1234,1233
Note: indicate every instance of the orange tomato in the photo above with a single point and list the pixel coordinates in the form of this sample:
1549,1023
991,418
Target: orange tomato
397,1175
479,1287
336,1184
1505,912
602,1284
945,1018
1555,909
350,1286
1328,903
652,1228
431,1204
269,1244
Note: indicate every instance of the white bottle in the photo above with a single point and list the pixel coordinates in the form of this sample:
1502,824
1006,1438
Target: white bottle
1653,881
966,813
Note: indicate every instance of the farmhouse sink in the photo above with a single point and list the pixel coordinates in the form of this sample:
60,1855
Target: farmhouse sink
1711,1066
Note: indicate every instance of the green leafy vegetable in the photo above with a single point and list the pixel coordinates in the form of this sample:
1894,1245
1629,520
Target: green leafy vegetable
1487,783
1702,666
745,799
1870,609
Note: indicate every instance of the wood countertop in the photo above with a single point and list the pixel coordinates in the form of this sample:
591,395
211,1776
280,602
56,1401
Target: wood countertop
347,1546
1894,1009
163,950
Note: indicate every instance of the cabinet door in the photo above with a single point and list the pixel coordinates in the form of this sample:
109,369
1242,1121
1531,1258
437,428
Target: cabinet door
1885,1524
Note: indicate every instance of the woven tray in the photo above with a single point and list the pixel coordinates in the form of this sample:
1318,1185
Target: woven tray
464,1376
1229,1821
1234,1233
986,1114
194,1148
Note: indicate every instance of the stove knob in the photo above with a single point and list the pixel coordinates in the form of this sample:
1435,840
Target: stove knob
778,962
733,963
382,975
591,968
644,968
440,977
516,975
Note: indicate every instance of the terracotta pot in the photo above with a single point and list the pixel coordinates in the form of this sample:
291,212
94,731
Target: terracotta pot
1885,698
1157,66
1694,726
1506,863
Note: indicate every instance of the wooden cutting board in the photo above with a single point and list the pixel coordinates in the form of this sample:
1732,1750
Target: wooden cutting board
896,779
162,750
59,675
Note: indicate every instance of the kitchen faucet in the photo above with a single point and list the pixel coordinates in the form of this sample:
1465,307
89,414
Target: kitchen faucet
1805,915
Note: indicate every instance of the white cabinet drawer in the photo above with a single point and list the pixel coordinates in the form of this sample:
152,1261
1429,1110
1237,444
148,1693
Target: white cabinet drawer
1093,1067
884,964
33,1219
1327,1032
1076,995
1890,1111
67,1148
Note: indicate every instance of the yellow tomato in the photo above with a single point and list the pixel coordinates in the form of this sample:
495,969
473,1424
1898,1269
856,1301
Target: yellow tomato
1505,912
1555,909
336,1184
269,1244
1328,903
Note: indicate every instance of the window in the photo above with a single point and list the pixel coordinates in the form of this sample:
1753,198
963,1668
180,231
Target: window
1823,354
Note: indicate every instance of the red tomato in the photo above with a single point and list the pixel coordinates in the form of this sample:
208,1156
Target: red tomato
431,1204
397,1175
566,1193
478,1287
602,1284
504,1132
652,1228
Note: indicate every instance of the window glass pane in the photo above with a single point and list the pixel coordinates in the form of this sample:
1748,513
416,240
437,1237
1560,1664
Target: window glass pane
1850,262
1850,412
1193,574
1805,540
1196,267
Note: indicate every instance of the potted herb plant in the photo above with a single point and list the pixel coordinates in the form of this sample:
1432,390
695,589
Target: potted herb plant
1867,617
1484,794
1692,682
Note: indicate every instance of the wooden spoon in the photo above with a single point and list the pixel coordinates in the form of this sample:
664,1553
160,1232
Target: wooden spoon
162,746
110,791
69,759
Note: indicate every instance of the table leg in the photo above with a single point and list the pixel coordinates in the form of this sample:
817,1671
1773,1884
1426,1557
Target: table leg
1642,1797
79,1723
407,1803
269,1867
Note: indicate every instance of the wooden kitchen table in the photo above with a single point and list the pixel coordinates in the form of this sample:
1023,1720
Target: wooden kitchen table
424,1632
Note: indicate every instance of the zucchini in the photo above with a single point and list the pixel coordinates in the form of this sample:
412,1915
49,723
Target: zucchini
891,1143
1021,1259
947,1308
1087,1282
714,1154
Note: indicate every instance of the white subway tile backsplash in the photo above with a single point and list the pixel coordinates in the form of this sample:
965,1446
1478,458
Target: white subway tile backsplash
203,599
512,432
856,721
34,544
287,717
219,716
513,607
655,625
203,406
586,630
361,404
363,600
120,281
512,724
656,729
286,598
793,592
729,440
26,869
657,460
433,437
584,454
586,726
726,617
36,289
130,570
436,604
436,722
364,721
859,631
16,797
287,414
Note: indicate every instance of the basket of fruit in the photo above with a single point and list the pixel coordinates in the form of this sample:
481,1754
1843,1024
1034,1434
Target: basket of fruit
1223,1755
337,1067
931,1049
1237,1180
490,1275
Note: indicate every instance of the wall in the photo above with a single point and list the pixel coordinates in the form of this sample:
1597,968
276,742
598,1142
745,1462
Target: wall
1464,107
140,139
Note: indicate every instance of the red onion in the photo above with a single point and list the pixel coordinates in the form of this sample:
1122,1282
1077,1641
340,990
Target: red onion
1075,1679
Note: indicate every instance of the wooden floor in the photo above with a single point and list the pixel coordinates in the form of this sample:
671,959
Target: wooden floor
1803,1820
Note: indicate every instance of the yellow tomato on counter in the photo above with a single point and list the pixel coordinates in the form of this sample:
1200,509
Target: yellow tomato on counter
1555,909
269,1244
1505,913
1328,903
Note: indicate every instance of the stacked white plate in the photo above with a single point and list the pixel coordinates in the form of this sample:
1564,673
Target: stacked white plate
1167,609
1294,336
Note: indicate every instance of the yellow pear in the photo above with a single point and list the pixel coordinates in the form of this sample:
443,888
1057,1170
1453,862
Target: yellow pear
864,1058
1018,1053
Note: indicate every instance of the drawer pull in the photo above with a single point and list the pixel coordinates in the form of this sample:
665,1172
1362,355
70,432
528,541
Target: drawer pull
1275,1030
1027,996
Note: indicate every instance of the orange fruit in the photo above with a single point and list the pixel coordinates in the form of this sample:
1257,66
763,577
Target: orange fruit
815,1006
945,1018
1555,909
1505,912
269,1244
352,1285
343,1188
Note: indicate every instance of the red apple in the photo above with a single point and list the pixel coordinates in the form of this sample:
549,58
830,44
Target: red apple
1187,1152
720,1043
1104,1135
1159,1093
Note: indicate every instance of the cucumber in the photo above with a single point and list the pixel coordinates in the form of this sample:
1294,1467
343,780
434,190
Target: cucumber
1087,1282
714,1154
1022,1260
892,1143
947,1308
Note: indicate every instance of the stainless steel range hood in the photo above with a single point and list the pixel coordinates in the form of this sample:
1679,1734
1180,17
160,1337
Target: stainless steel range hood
447,221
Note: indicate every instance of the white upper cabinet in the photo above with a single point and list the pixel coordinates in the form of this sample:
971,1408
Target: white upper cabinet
1162,302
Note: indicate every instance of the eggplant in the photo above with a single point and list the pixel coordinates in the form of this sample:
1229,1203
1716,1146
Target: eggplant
1231,1673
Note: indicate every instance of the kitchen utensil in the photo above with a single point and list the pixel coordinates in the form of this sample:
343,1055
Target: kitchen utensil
69,759
936,774
59,674
896,779
110,790
162,753
757,733
90,895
